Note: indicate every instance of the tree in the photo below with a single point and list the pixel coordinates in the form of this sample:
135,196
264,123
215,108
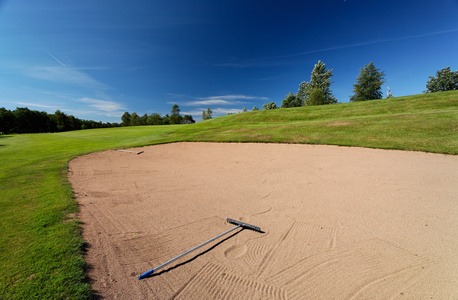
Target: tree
135,119
244,109
445,80
175,110
125,119
255,108
176,118
270,105
316,97
74,123
291,100
320,79
187,119
61,120
207,114
154,119
144,119
24,120
166,120
368,85
7,121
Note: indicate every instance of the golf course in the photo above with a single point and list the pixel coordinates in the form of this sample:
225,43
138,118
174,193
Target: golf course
361,195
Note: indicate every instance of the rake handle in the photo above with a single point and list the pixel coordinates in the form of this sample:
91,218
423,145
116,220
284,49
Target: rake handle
146,274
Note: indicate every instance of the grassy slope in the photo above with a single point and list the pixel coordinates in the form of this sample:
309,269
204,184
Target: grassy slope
422,122
41,249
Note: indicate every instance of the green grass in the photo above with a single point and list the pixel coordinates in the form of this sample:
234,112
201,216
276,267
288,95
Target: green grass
40,248
40,244
426,122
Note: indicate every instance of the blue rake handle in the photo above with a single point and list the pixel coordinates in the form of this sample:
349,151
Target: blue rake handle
146,274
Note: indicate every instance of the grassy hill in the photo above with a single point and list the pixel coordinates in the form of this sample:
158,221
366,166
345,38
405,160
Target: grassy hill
40,245
427,122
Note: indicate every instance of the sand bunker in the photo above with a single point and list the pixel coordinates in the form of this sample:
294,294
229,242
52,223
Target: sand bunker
339,222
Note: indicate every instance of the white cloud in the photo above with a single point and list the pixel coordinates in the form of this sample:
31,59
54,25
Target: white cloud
207,102
28,104
222,100
220,105
117,114
193,112
234,97
104,107
88,113
64,74
217,112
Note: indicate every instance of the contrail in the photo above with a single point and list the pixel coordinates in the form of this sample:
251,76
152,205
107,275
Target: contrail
274,60
367,43
61,63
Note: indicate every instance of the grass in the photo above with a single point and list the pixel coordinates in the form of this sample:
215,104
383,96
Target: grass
426,122
41,249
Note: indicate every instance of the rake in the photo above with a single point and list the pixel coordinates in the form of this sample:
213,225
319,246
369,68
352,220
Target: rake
235,222
129,151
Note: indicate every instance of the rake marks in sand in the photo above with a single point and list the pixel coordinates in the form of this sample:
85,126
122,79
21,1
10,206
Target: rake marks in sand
373,265
152,207
216,282
170,243
300,241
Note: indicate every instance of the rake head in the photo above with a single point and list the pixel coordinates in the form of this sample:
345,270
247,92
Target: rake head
244,225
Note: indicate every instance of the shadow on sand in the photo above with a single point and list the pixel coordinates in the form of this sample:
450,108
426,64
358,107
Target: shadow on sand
194,257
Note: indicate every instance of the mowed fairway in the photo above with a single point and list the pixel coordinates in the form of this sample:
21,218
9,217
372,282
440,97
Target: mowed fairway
41,248
41,252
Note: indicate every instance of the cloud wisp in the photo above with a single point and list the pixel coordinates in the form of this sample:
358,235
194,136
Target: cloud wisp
64,75
234,97
75,85
60,70
223,100
207,102
217,112
275,60
42,106
220,105
104,107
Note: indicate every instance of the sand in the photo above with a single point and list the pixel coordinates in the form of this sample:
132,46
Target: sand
338,222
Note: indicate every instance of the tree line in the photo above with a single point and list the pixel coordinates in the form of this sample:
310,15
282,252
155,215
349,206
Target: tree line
314,92
368,86
24,120
317,91
175,117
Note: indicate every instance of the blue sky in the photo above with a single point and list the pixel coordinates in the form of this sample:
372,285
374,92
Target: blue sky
96,59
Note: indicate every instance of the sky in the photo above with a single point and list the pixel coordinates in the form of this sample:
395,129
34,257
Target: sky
96,59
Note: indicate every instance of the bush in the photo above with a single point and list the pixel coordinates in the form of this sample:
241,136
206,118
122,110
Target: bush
445,80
